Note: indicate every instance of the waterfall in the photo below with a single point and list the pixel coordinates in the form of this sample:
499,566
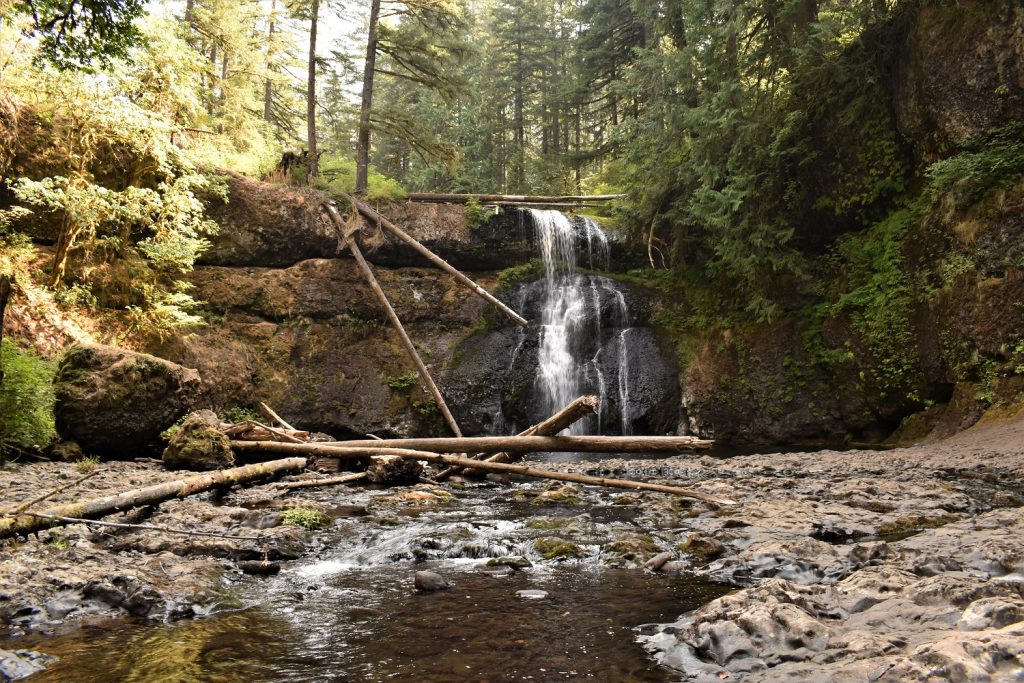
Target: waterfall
577,313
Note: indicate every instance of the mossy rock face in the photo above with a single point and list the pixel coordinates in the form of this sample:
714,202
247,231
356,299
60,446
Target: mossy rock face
115,402
633,547
198,444
557,549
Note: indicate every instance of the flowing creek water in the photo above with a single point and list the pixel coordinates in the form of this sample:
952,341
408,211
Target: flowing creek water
350,612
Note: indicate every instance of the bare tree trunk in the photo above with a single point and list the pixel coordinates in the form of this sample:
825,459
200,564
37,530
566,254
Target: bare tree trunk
268,86
363,141
522,470
150,495
314,161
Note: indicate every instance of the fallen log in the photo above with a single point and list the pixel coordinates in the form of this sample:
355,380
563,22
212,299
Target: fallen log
350,242
536,444
523,470
448,198
315,483
575,411
21,524
376,217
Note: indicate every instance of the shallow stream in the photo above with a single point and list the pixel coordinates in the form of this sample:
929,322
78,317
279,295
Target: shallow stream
350,612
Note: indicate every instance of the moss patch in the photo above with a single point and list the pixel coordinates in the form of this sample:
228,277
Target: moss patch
557,548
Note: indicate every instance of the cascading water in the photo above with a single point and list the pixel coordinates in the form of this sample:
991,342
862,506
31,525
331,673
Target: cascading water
581,317
588,334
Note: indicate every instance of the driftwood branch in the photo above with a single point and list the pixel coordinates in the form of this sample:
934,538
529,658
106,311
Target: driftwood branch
274,417
538,444
378,219
395,322
523,470
575,411
508,198
21,524
315,483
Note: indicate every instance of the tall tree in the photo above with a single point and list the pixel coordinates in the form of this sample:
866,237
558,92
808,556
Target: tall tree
314,157
366,101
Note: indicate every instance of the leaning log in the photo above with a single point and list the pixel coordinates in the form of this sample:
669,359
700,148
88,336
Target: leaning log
378,219
437,197
522,470
572,413
538,444
368,275
22,524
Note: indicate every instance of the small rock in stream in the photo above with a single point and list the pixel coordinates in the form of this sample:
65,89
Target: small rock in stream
656,563
531,594
430,582
259,568
514,563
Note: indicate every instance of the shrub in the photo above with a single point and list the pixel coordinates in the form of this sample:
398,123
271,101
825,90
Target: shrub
306,517
26,399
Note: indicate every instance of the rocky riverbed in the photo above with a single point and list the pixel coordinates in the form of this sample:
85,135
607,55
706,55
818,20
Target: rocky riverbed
902,564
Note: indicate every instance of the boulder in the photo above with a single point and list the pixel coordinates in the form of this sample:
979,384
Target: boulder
115,402
430,582
198,444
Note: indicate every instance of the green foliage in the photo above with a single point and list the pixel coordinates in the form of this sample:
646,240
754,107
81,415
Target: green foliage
338,174
992,161
878,297
403,381
476,215
306,517
87,464
77,35
26,399
239,414
524,272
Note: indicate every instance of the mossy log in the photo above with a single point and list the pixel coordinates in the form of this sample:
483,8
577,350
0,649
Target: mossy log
522,470
22,524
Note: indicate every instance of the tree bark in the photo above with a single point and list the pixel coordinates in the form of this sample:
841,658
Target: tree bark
536,444
378,219
150,495
363,141
314,161
523,470
5,293
396,323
